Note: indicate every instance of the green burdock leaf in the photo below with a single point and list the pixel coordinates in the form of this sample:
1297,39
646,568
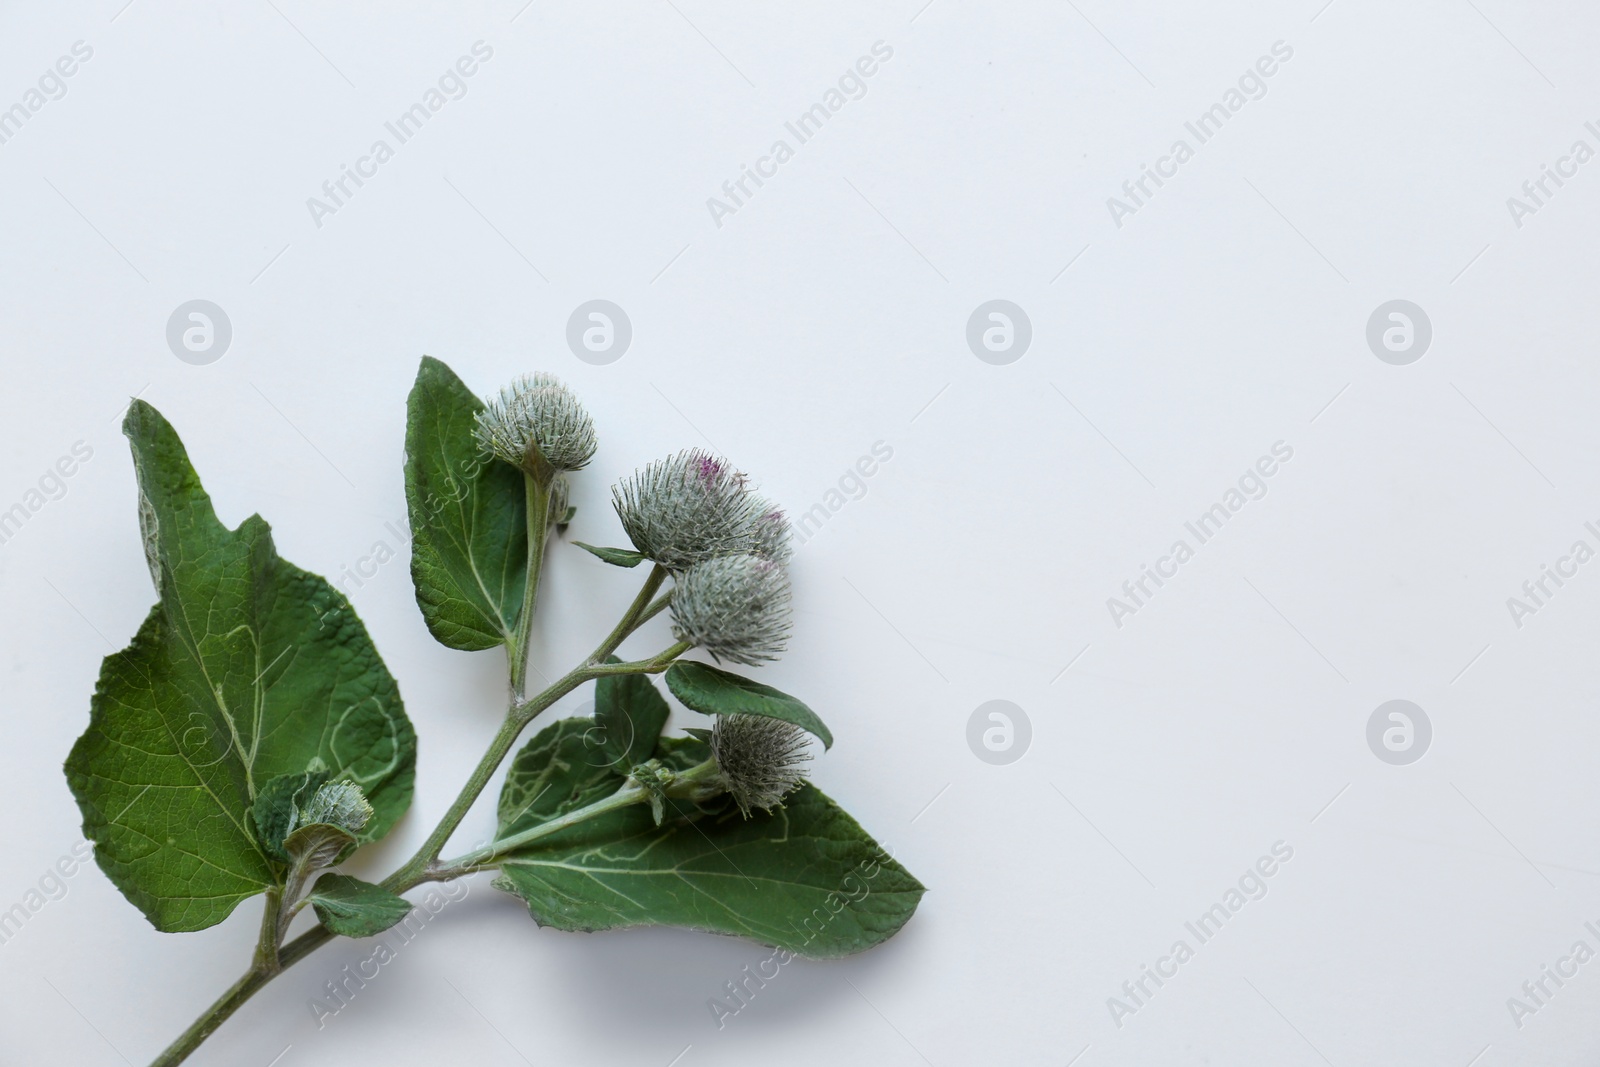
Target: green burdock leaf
565,766
248,668
717,692
631,713
353,908
805,877
617,557
468,512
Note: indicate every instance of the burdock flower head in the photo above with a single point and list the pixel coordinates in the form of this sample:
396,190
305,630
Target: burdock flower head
688,508
772,533
734,607
537,424
758,759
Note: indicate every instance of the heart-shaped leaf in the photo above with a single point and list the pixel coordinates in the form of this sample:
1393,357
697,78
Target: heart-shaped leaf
248,668
712,691
469,548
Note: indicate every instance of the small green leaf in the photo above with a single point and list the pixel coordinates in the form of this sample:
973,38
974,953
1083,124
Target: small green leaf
353,908
317,846
276,809
717,692
805,877
631,713
566,517
248,668
617,557
564,767
469,550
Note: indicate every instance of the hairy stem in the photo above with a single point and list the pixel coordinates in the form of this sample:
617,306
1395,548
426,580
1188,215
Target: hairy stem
481,859
538,520
635,616
266,958
698,782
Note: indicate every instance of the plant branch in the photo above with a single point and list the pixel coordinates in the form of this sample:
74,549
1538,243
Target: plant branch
481,859
635,616
271,958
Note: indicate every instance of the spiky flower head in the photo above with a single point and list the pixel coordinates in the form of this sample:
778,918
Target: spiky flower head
687,508
734,607
340,804
537,424
772,533
758,759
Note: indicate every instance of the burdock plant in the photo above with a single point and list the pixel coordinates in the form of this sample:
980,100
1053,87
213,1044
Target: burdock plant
250,739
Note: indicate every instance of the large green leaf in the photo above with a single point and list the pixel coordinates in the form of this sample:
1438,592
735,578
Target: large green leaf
248,668
717,692
631,713
805,877
468,512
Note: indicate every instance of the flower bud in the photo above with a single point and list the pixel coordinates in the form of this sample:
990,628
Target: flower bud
340,804
537,424
758,759
734,607
772,533
687,508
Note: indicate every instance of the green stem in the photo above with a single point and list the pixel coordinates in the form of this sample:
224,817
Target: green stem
504,738
237,994
635,616
538,521
516,719
655,608
484,858
698,782
266,958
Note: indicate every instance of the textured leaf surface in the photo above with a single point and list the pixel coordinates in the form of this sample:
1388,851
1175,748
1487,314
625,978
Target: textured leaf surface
564,767
274,811
468,512
353,908
806,877
717,692
247,668
630,713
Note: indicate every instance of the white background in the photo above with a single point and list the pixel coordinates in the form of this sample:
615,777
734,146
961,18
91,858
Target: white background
826,314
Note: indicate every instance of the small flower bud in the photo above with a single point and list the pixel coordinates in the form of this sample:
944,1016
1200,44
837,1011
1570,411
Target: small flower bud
758,759
538,425
734,607
772,533
689,507
560,501
340,804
